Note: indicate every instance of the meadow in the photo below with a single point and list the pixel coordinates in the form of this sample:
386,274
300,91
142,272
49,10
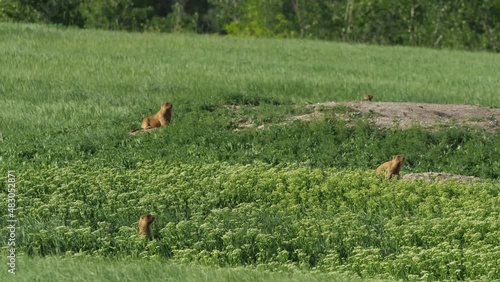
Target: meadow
90,269
298,200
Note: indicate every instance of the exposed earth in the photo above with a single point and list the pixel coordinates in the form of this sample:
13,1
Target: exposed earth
404,115
440,176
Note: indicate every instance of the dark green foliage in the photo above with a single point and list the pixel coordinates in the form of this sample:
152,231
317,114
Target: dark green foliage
464,24
116,14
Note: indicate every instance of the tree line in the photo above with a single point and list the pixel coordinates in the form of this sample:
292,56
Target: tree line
461,24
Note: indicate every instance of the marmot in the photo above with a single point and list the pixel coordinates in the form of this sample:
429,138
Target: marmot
144,223
392,167
161,118
367,97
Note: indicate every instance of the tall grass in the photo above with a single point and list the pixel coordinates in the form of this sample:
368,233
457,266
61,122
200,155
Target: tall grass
99,270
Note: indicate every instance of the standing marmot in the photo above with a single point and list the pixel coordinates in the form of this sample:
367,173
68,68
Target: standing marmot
392,167
144,223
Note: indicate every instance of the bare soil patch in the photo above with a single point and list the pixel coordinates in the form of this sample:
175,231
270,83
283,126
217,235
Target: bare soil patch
403,115
440,176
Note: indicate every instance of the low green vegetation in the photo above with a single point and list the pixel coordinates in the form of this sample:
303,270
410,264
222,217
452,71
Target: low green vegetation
275,217
207,137
295,197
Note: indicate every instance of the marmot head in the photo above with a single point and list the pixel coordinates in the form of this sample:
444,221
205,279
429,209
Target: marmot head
148,218
398,158
166,106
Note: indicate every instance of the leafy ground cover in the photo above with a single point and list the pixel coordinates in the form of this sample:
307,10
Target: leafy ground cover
277,217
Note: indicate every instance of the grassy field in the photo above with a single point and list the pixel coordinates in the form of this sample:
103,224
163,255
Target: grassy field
72,78
98,269
299,200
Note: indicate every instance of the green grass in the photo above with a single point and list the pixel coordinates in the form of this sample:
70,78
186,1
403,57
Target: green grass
72,94
104,270
71,77
286,198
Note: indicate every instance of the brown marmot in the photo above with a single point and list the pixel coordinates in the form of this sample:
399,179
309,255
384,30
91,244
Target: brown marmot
367,97
144,223
392,167
161,118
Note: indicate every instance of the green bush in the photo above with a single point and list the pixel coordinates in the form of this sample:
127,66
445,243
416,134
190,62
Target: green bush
14,10
115,14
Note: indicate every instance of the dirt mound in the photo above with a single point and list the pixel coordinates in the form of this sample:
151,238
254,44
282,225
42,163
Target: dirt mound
439,176
404,115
